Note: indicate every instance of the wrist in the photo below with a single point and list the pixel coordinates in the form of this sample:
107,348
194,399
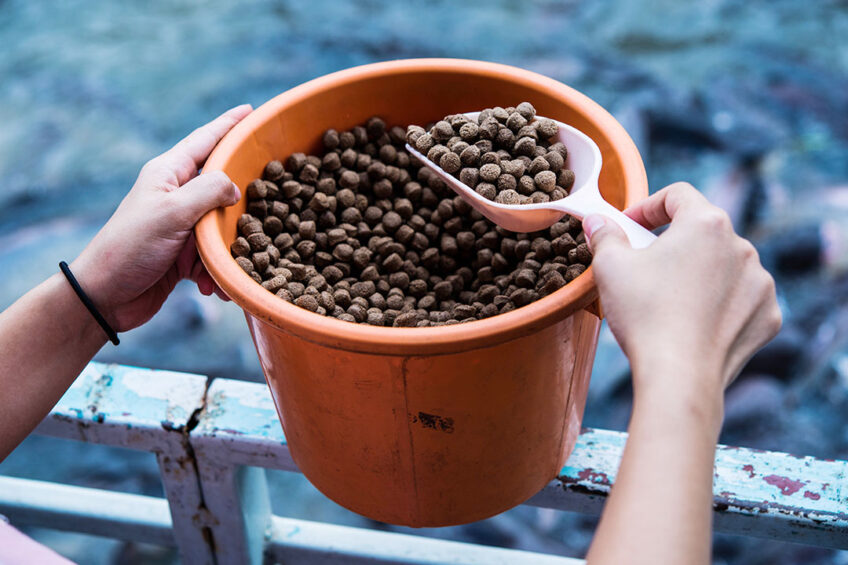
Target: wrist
678,390
681,409
678,367
95,285
70,313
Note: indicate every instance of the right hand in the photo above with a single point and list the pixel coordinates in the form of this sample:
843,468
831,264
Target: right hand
697,297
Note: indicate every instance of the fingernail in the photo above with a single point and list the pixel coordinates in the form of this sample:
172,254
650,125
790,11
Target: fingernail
236,192
593,223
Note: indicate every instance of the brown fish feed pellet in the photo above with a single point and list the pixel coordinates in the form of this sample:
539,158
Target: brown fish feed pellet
520,144
367,235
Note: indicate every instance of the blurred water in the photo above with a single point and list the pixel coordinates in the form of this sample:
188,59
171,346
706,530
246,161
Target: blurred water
93,89
744,99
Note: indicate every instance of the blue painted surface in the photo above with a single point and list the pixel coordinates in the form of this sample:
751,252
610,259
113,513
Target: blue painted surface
116,400
236,408
771,488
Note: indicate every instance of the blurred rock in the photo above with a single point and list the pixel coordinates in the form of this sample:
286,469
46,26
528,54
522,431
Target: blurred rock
753,404
781,356
131,553
635,120
796,250
738,190
187,311
610,368
840,366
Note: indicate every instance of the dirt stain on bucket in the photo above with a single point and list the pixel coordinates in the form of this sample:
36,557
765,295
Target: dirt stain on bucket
433,422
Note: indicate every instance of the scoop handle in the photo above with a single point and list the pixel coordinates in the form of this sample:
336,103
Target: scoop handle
586,201
639,236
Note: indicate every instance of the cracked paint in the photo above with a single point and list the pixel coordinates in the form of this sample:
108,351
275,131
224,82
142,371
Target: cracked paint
596,477
786,485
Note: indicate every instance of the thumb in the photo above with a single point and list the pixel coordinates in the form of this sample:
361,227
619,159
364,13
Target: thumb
603,233
205,192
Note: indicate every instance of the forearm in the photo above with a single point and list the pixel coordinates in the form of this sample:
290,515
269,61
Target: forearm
659,510
128,270
47,337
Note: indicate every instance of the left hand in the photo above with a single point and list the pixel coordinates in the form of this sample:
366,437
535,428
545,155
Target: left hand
147,246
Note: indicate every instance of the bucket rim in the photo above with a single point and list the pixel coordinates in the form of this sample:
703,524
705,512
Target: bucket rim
264,306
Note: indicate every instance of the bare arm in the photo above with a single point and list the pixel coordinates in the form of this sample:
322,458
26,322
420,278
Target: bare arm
660,508
46,337
688,311
129,268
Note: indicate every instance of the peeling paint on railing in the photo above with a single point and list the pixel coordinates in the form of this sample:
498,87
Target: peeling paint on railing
111,405
755,492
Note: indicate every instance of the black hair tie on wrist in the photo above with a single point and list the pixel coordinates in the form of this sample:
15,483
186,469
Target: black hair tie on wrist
113,337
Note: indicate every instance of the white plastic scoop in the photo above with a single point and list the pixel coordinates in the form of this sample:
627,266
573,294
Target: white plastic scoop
584,158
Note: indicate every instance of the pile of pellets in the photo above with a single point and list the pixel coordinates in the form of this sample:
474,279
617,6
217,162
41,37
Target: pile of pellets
366,234
507,154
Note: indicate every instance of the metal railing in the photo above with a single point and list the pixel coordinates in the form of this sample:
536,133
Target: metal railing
213,441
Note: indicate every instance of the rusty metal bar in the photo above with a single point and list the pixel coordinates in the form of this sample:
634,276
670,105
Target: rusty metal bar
240,500
151,411
239,426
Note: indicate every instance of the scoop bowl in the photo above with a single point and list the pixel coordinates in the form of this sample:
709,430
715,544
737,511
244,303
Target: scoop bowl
584,158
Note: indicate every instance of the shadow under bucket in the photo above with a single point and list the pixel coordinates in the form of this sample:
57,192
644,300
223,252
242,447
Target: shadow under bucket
420,426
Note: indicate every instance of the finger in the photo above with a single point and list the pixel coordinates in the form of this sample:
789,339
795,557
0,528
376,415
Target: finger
201,194
197,271
189,155
221,294
187,259
659,208
197,266
205,283
603,234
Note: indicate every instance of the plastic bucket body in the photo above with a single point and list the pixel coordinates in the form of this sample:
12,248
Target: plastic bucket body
420,426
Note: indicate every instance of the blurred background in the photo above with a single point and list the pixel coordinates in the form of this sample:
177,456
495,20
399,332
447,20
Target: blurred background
745,99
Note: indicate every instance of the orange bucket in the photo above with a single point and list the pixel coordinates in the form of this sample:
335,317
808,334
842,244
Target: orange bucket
420,426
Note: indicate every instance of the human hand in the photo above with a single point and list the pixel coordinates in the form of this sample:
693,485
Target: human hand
697,297
147,246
